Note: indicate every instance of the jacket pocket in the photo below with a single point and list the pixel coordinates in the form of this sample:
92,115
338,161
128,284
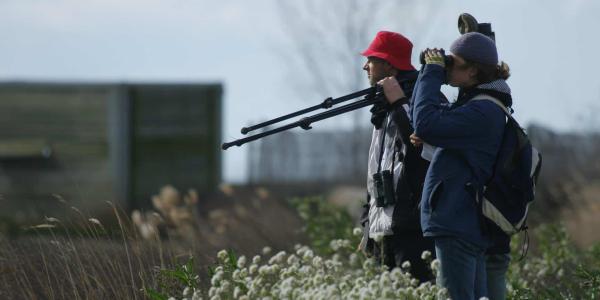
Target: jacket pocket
434,196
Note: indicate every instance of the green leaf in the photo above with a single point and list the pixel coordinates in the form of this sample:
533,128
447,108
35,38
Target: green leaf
155,295
232,259
177,274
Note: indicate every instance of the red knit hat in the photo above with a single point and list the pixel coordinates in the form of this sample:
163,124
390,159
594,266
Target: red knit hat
393,48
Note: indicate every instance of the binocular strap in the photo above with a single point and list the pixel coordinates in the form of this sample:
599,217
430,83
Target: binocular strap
382,147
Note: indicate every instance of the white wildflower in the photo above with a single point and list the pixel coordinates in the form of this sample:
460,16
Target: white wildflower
293,259
305,270
235,275
317,262
186,291
277,258
285,292
241,262
406,265
336,257
263,270
378,237
216,279
300,251
387,293
274,269
385,281
253,269
197,295
308,255
334,245
317,279
414,282
329,264
237,292
343,286
426,255
441,294
225,285
368,264
222,255
266,250
357,231
256,260
243,273
396,273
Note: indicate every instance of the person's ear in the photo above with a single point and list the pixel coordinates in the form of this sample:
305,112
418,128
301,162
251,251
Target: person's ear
389,68
473,72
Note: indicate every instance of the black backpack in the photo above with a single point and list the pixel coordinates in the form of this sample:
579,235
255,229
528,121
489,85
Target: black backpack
511,189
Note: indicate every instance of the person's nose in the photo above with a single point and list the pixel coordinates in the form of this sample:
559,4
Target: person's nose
366,66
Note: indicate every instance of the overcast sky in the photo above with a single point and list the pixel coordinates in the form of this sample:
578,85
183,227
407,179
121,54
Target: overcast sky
551,47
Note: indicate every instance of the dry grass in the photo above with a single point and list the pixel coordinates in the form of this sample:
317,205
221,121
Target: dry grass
583,219
88,262
81,259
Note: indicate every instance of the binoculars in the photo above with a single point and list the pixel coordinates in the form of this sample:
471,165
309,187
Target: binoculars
448,60
383,188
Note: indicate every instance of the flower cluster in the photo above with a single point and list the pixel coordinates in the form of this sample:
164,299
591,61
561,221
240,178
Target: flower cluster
303,274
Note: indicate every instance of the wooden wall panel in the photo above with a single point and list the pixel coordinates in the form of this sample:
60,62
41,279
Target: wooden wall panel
109,142
72,121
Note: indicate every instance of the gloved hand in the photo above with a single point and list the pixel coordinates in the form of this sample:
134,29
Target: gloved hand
435,57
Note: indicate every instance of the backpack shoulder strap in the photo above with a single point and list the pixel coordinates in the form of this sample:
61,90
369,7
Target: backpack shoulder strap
496,101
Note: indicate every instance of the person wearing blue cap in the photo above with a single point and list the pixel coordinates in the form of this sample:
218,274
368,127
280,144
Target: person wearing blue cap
466,135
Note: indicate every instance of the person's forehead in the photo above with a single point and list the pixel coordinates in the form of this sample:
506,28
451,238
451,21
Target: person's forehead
375,59
457,59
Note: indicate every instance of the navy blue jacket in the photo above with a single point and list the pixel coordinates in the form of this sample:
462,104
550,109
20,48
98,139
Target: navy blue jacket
468,137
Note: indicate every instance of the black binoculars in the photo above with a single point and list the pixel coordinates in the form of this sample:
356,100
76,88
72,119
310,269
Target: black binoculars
448,60
383,188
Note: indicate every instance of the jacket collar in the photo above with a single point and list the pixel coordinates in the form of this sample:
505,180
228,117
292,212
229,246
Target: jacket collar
498,89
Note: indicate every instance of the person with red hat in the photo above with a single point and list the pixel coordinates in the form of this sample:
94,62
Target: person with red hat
391,222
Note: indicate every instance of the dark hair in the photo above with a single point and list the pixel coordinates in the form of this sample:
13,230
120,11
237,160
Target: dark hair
488,73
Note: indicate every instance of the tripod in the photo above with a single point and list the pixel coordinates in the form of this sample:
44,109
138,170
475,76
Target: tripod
371,95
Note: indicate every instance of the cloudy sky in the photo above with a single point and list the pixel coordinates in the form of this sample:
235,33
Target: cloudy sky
550,45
